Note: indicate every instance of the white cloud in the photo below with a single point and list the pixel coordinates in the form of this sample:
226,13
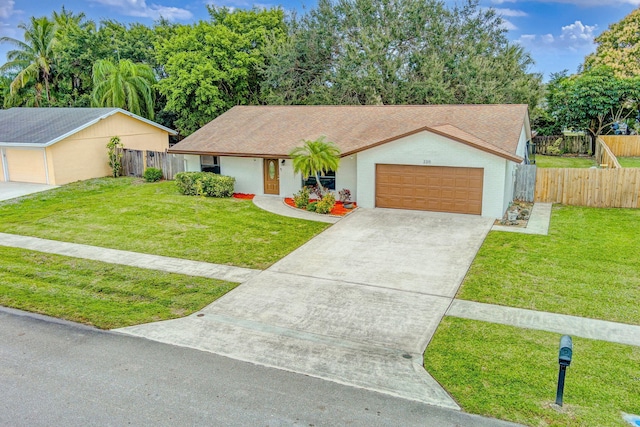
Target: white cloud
7,26
574,37
140,8
510,12
578,34
508,25
6,8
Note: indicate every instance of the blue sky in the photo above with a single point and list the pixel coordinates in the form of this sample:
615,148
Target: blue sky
557,33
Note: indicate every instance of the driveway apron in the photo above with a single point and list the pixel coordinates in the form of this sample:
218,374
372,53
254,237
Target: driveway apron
356,305
11,190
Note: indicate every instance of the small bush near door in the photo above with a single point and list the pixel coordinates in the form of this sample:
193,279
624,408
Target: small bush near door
152,174
325,205
301,198
205,184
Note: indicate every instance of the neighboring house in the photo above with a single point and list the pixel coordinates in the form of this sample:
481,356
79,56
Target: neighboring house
447,158
60,145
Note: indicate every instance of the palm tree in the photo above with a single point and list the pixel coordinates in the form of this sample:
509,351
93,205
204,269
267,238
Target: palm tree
123,85
315,158
66,20
32,59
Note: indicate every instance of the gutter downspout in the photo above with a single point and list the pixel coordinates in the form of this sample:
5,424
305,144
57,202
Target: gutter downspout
46,166
5,169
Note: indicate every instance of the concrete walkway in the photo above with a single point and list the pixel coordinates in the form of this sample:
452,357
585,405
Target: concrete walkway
276,205
561,323
11,190
133,259
538,221
356,305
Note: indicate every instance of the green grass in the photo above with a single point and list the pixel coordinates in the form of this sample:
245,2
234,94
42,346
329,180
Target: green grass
564,162
154,218
588,266
104,295
511,374
629,162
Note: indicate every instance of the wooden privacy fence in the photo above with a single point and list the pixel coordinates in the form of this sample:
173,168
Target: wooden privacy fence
601,188
580,144
525,185
134,162
623,145
171,164
605,157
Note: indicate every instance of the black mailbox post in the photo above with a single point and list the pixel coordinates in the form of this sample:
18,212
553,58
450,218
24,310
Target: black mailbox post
564,359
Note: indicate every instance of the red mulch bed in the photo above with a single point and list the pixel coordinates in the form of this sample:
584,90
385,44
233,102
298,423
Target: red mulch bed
338,208
243,196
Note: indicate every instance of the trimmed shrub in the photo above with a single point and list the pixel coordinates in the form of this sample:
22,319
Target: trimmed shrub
325,205
217,185
205,184
554,149
301,198
186,182
152,174
311,207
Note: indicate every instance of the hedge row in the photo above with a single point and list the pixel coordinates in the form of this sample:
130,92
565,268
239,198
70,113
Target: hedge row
205,184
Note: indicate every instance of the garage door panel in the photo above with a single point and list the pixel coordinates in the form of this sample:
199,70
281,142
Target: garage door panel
433,188
25,165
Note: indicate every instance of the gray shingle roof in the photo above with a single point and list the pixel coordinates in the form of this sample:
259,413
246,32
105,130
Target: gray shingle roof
48,125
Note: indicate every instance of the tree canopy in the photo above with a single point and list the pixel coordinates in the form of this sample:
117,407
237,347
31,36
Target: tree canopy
398,52
123,85
619,47
593,100
32,59
214,65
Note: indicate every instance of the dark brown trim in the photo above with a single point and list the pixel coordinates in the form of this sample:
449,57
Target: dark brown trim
216,153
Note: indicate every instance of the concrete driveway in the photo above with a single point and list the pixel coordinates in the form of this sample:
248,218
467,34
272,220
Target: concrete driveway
356,305
11,190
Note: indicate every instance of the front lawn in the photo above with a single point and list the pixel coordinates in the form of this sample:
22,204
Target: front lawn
588,265
129,214
629,162
564,162
511,373
100,294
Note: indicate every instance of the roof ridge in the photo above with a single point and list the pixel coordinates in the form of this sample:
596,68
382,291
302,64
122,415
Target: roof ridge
384,106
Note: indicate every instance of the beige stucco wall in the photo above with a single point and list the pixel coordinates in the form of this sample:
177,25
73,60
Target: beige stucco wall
26,165
84,154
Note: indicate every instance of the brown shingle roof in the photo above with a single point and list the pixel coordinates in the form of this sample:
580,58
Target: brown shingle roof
273,131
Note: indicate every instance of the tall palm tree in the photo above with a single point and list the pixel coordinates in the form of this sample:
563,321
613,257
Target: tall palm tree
123,85
32,59
315,158
65,19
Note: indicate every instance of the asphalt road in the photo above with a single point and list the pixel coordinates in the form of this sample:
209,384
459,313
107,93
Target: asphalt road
55,373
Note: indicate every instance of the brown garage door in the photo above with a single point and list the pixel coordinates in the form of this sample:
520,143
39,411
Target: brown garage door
429,188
